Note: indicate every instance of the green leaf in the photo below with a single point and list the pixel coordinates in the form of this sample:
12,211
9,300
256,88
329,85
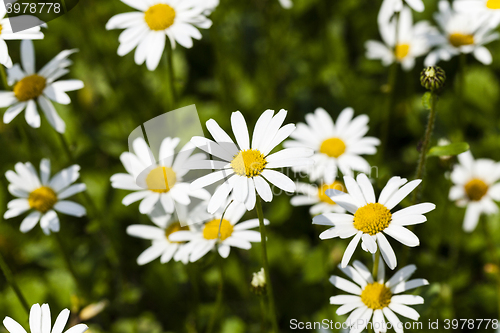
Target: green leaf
426,100
449,150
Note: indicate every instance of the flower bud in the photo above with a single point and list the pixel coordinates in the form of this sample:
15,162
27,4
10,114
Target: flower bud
433,78
258,283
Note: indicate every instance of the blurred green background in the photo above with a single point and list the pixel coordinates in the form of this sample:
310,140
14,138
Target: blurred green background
257,56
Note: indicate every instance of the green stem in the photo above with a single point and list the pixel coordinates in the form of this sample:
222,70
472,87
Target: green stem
63,2
218,301
4,78
376,263
66,147
67,260
171,75
386,117
425,145
12,281
269,288
463,69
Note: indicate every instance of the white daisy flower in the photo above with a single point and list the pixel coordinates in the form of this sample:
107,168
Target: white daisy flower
287,4
336,145
202,239
40,322
160,181
390,7
461,33
372,219
148,28
210,6
412,41
476,187
315,195
6,33
378,298
31,87
247,168
166,224
492,7
42,195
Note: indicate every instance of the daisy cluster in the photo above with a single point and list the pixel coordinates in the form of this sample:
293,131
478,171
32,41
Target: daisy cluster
463,27
191,219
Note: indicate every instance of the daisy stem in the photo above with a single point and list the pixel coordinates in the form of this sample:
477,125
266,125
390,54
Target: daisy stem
269,288
171,78
425,145
67,260
218,301
376,262
64,6
66,147
4,78
12,281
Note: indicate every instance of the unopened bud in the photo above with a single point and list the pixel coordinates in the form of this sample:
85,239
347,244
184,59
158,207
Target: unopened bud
433,78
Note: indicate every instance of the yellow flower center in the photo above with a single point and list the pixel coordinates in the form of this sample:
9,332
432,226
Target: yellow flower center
161,179
333,147
29,87
493,4
376,296
325,198
401,51
211,229
476,189
42,199
458,39
1,28
174,227
372,218
159,17
249,163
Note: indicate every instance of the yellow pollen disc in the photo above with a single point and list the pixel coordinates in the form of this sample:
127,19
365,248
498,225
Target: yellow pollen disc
249,163
325,198
159,17
476,189
29,87
1,28
458,39
42,199
401,51
376,296
372,218
174,227
333,147
493,4
161,179
211,229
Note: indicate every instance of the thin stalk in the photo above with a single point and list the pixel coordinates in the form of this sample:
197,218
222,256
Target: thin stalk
463,70
269,288
113,256
12,282
425,145
391,84
171,75
376,263
66,147
4,78
218,300
67,260
63,2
